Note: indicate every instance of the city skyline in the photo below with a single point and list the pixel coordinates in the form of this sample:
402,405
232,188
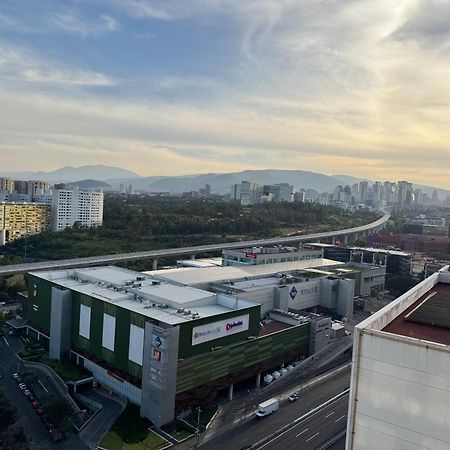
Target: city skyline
168,89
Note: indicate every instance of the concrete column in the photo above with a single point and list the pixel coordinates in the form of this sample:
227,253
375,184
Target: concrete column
230,392
362,256
193,256
385,259
333,240
78,360
155,264
346,239
258,380
38,336
373,258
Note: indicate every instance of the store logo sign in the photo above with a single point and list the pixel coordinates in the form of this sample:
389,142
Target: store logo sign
293,292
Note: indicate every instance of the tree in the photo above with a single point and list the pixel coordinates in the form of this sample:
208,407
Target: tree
57,410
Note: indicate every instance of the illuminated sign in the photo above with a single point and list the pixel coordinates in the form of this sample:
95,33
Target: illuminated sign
251,255
216,330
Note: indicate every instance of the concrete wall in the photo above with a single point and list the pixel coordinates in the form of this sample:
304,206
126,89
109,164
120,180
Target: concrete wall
402,393
60,323
159,373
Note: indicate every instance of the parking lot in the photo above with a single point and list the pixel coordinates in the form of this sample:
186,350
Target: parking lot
29,404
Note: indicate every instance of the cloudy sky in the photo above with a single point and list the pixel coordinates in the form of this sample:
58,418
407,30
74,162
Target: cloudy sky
186,86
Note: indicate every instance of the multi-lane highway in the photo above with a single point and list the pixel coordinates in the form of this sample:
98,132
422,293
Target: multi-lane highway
252,431
314,431
155,254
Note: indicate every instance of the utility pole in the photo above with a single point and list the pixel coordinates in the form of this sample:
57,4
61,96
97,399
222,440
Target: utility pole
198,424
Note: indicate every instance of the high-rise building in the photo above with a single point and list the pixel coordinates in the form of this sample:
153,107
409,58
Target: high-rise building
82,207
400,385
6,184
31,187
22,219
404,187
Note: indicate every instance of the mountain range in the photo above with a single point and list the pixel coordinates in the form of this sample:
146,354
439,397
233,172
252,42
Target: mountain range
96,176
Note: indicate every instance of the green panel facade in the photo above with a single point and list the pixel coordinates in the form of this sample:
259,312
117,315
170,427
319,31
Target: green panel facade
118,358
39,302
186,349
200,370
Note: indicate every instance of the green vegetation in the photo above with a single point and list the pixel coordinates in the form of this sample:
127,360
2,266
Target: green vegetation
66,369
399,284
146,223
12,436
131,432
178,430
206,415
57,411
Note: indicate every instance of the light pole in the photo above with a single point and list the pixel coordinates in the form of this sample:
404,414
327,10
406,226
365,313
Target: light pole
198,424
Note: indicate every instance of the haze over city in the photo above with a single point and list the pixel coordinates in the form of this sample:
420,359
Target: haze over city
167,88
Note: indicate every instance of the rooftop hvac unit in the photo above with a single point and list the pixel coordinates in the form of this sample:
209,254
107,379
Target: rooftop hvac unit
180,310
156,283
187,312
128,283
140,278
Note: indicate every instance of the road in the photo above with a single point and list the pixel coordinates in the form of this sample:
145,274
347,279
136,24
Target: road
314,431
155,254
104,419
253,430
28,418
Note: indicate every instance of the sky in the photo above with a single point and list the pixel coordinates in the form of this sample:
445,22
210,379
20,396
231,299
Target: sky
169,87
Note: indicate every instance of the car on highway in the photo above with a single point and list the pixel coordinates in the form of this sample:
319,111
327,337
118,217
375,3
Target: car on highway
293,397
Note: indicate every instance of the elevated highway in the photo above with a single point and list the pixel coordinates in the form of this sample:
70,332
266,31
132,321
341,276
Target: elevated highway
155,254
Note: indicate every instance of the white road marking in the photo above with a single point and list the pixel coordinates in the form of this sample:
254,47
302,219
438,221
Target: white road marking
43,387
6,341
340,418
304,431
313,436
328,415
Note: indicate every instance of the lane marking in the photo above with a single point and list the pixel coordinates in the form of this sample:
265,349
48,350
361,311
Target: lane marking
304,431
340,418
308,415
6,341
328,415
313,436
43,387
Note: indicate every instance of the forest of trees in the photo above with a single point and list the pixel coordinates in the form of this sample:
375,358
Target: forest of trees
145,223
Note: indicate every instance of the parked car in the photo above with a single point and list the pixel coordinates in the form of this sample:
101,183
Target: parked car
15,376
35,404
22,386
55,434
39,411
293,397
27,392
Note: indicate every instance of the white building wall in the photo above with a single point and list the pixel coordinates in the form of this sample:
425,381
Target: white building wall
403,394
69,206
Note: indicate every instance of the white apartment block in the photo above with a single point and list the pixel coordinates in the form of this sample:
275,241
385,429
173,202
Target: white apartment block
75,206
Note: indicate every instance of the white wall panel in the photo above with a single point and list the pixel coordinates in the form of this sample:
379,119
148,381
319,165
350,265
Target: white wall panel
109,331
136,344
85,321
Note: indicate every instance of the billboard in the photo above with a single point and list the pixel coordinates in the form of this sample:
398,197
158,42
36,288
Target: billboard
222,328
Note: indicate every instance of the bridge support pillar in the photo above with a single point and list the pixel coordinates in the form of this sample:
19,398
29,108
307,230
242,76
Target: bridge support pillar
155,264
230,392
258,380
333,240
193,256
345,239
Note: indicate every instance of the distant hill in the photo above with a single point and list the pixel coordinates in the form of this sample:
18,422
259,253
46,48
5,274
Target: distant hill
70,174
89,184
221,182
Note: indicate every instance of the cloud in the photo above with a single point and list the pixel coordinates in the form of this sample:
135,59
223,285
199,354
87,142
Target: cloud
73,22
18,64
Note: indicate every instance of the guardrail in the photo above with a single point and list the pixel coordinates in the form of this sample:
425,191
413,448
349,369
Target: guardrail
155,254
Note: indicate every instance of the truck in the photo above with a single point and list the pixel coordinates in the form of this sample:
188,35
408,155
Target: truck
268,407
